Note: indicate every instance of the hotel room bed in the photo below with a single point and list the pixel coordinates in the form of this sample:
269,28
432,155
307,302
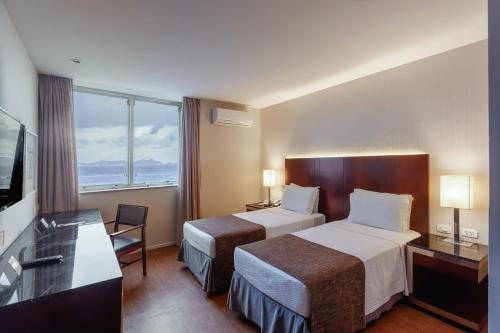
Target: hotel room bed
341,275
279,302
212,265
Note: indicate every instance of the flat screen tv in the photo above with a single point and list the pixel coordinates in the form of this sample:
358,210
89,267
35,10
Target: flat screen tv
11,160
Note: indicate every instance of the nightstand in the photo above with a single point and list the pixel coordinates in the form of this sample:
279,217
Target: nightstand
449,280
256,206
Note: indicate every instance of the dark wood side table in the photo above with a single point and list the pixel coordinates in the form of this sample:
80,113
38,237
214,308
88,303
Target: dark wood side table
257,206
449,280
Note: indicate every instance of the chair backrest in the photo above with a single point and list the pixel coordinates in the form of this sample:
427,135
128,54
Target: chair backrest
131,215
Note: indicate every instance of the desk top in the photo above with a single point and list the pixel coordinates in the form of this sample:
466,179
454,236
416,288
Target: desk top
80,237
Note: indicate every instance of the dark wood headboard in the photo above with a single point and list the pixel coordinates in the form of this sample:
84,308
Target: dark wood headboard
338,176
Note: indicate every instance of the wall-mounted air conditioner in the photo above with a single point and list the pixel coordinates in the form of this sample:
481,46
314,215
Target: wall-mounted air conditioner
226,117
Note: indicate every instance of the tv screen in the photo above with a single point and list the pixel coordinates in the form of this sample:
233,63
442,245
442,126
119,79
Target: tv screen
11,160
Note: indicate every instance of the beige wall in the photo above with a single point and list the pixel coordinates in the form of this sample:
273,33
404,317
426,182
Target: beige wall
162,203
230,163
19,96
436,105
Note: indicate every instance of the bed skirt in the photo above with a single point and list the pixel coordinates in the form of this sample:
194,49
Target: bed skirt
201,265
271,316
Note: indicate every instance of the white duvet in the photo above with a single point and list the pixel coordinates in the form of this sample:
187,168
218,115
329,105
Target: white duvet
276,220
381,251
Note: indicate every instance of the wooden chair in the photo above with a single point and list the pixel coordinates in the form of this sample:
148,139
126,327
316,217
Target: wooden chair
135,216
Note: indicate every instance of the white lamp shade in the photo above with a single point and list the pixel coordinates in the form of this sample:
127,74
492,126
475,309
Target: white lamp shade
457,191
269,178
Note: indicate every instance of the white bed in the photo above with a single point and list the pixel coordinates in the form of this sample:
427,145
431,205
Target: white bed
381,251
276,220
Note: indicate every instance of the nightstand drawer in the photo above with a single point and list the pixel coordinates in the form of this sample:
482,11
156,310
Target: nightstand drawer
445,267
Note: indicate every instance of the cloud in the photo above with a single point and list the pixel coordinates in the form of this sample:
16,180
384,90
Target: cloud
111,143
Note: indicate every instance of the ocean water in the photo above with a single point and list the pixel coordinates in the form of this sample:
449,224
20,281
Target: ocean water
116,175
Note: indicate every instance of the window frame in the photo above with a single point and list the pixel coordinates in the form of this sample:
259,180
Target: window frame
131,99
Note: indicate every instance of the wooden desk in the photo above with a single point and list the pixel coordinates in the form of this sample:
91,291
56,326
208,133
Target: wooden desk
81,294
449,280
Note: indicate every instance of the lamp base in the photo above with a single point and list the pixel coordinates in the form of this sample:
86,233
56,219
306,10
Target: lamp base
461,242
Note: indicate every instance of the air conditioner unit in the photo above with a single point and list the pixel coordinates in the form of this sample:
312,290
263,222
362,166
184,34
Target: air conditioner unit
226,117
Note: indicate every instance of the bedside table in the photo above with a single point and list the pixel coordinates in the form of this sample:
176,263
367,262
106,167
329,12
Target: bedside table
449,280
257,206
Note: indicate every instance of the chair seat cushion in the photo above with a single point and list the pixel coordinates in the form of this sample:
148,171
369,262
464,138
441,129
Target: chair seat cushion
125,242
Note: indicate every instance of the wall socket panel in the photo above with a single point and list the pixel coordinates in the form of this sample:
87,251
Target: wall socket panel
443,228
470,233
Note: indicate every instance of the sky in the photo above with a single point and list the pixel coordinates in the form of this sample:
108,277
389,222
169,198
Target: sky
101,129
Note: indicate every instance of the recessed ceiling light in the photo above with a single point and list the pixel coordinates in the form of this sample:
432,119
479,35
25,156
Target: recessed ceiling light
75,60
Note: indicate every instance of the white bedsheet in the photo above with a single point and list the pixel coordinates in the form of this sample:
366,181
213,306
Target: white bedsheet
276,220
381,251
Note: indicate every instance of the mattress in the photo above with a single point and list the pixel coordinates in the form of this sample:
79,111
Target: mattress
382,252
276,220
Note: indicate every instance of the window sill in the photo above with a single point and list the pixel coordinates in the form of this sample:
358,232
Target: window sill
130,188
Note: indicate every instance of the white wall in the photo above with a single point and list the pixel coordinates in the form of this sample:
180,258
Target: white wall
162,203
19,96
230,163
436,105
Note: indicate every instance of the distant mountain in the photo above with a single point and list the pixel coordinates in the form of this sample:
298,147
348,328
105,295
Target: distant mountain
150,163
155,164
103,164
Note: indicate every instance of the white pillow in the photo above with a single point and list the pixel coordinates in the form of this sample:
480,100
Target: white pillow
316,197
381,210
299,199
406,202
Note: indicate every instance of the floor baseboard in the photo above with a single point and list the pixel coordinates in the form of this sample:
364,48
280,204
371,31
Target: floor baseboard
159,246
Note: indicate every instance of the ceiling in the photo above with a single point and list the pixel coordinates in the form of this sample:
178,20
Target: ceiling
255,52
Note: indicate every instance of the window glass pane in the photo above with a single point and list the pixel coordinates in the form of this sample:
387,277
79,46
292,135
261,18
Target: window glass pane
156,143
101,139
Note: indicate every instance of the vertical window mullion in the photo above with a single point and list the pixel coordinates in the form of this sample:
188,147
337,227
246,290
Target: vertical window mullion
131,140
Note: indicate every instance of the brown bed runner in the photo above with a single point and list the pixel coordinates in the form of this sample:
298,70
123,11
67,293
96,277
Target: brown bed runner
335,280
229,232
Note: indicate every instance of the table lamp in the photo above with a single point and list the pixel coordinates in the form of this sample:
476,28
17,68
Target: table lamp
269,180
457,193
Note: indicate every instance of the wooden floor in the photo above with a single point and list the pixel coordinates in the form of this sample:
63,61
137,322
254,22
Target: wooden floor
170,299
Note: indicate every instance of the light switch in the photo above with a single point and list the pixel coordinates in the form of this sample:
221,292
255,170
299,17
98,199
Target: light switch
470,233
443,228
2,238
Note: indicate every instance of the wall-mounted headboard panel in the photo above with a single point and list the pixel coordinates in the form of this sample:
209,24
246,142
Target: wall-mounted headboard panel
338,176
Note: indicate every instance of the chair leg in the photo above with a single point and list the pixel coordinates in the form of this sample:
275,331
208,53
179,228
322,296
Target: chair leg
144,265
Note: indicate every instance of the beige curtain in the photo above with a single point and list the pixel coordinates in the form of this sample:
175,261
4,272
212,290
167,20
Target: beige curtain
189,165
58,177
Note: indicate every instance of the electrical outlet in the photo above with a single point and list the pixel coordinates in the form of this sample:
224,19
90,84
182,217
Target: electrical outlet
2,238
470,233
443,228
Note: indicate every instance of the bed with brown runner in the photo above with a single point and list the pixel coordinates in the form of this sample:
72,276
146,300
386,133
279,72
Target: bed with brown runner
341,275
208,245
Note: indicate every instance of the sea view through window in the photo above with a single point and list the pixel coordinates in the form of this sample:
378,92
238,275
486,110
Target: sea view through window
125,141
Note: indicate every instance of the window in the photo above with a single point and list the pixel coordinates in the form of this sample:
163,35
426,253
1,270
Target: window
125,141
